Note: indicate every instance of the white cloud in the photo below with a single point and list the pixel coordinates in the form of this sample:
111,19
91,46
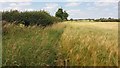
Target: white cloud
13,4
29,9
107,0
15,0
72,0
59,0
24,4
9,8
92,0
76,13
50,6
102,4
72,4
21,6
17,8
93,12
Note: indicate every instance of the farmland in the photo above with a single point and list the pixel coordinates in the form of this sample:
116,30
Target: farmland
67,43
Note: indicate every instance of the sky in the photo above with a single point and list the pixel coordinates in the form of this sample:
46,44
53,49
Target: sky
77,9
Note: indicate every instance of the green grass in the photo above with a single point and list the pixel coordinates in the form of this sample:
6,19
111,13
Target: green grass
66,43
1,52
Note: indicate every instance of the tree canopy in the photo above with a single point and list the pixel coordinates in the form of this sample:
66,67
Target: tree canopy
61,14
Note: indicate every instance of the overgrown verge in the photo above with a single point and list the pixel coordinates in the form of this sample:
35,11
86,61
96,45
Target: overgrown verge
62,44
29,17
26,46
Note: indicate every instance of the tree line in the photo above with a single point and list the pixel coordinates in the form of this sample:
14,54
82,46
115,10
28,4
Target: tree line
107,20
41,17
98,20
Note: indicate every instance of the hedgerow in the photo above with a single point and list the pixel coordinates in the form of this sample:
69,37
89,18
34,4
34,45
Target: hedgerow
30,17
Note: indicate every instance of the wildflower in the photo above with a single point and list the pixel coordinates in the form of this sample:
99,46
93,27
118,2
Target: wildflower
21,25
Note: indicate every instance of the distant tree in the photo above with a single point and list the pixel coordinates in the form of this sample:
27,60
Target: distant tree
61,14
65,15
109,18
71,19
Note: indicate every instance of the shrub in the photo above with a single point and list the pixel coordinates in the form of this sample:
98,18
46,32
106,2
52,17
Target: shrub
30,17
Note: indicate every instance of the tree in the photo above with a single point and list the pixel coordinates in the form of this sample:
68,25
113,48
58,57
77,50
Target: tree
61,14
65,15
71,19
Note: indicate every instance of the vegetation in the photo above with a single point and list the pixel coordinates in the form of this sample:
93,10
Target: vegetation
80,42
29,17
61,14
107,20
62,44
98,20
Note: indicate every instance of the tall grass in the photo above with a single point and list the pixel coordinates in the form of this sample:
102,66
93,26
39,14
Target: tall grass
30,46
91,44
62,44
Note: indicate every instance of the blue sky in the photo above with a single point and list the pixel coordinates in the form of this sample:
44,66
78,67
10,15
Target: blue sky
76,9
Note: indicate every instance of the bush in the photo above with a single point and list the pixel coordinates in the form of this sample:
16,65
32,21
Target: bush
30,17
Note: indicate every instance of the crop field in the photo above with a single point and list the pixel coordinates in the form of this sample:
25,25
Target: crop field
67,43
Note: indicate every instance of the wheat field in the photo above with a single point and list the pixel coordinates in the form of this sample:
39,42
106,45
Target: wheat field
67,43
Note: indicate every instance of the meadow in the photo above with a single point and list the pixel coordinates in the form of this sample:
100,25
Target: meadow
67,43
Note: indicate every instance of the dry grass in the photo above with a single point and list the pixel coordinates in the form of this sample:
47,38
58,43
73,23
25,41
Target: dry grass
66,43
90,44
